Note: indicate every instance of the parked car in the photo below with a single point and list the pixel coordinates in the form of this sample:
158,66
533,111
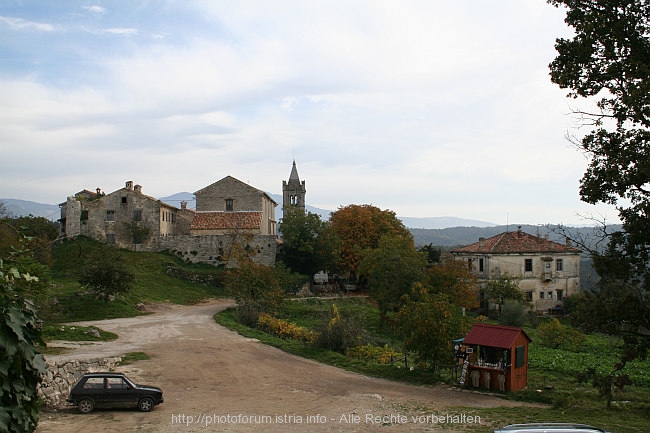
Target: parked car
113,390
549,428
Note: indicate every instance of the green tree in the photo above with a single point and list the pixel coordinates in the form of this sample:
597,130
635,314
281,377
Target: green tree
429,323
359,227
21,366
391,268
609,59
107,274
308,243
503,288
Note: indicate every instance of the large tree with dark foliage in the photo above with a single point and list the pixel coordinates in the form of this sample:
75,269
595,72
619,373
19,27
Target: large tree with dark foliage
608,60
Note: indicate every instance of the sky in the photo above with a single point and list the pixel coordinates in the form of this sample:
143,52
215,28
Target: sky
425,108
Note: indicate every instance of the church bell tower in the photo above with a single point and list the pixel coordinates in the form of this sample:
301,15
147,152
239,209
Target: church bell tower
293,191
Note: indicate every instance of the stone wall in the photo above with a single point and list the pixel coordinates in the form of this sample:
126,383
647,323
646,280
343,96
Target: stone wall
212,248
62,375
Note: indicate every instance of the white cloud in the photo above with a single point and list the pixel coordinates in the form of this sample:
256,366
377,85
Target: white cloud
22,24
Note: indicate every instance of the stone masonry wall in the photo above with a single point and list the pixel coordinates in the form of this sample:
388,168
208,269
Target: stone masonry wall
61,376
211,248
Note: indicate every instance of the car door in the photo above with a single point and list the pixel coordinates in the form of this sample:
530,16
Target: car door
92,388
119,393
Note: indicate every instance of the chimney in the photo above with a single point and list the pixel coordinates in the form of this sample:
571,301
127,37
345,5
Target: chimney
518,231
568,242
546,236
99,191
481,242
138,189
129,185
183,205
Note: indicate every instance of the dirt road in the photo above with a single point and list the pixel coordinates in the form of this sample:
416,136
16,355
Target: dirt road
216,380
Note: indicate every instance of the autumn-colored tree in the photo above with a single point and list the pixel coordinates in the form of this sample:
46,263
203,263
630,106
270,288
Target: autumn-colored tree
257,289
308,243
453,278
391,269
429,322
359,228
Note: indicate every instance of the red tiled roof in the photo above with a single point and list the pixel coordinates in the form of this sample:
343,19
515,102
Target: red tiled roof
516,243
493,335
226,220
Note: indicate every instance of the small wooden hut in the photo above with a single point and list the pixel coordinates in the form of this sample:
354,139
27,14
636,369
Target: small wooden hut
496,357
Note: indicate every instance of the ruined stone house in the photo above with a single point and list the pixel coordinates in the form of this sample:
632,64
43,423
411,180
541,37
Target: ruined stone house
548,271
229,213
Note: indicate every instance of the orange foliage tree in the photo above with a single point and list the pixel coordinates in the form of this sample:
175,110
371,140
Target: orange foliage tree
359,228
453,278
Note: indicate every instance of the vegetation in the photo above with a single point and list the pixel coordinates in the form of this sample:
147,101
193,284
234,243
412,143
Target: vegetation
107,274
21,366
609,59
309,244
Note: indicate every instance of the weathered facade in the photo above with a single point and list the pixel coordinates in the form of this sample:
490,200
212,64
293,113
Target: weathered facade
230,214
126,217
548,271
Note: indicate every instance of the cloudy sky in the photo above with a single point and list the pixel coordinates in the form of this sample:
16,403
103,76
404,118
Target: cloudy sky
426,108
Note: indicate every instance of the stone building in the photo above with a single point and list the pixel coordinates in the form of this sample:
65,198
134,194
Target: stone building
126,217
228,212
293,191
548,271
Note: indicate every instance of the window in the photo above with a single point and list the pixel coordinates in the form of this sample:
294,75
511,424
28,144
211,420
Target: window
123,200
529,296
137,215
550,295
528,265
110,238
541,295
520,356
469,264
480,265
110,215
229,204
559,265
560,294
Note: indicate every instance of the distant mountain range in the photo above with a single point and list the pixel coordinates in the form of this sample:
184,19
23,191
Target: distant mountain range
420,223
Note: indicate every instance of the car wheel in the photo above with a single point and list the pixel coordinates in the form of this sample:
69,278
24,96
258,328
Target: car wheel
145,404
86,405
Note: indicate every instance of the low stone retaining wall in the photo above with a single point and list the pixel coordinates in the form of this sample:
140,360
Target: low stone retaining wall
62,375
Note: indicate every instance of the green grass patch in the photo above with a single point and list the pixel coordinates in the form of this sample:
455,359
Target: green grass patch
152,283
131,357
75,333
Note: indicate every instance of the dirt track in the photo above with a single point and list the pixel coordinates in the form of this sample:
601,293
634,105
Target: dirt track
216,380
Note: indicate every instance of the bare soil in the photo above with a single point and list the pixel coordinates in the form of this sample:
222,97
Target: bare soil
213,379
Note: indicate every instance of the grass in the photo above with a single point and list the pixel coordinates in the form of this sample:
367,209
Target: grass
75,333
152,284
131,357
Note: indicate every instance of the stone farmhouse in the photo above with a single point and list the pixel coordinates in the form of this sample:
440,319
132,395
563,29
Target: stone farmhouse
548,271
230,216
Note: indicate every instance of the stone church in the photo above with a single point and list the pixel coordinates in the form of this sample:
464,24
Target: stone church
229,215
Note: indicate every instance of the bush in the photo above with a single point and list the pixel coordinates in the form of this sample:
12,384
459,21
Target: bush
554,335
513,313
107,274
284,329
338,333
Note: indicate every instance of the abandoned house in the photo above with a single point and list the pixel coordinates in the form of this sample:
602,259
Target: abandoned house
547,271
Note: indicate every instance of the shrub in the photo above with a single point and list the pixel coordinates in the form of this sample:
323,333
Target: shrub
371,353
554,335
338,333
513,313
284,329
